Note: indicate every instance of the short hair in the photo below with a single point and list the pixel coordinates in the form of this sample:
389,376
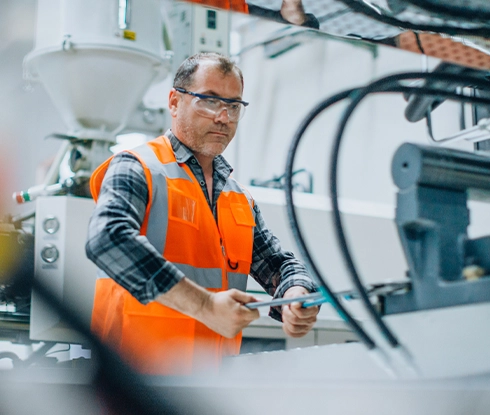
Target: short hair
185,73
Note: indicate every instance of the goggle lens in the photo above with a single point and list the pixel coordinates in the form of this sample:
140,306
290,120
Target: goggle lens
212,108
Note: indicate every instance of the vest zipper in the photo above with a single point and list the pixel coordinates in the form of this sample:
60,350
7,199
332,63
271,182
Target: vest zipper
225,276
222,248
221,338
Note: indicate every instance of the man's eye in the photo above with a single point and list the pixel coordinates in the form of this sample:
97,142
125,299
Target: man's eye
212,103
234,107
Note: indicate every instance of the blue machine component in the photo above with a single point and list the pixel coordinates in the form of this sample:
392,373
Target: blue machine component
446,268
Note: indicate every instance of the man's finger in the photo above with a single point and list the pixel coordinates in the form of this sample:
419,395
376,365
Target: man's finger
242,297
298,326
292,317
303,313
296,331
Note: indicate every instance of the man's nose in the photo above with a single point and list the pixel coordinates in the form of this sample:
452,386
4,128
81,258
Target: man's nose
222,116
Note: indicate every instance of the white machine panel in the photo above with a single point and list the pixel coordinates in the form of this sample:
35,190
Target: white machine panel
370,230
198,29
61,264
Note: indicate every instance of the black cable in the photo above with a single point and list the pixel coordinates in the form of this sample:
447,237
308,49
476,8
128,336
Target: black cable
419,43
360,7
428,123
387,84
293,221
289,195
474,116
462,119
453,11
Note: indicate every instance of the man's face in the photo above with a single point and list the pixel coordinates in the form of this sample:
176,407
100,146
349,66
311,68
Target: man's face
208,137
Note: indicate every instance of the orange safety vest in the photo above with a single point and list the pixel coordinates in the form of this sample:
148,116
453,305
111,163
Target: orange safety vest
178,222
235,5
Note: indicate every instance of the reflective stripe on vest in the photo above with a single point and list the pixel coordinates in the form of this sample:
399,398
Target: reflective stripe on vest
211,277
156,233
237,280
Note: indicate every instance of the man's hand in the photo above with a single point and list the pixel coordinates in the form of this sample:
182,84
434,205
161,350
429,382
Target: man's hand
297,321
225,313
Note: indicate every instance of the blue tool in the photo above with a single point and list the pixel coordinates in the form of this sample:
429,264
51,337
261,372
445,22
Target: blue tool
318,298
307,300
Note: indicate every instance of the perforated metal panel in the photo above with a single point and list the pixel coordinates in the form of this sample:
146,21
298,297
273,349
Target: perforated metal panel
449,50
338,19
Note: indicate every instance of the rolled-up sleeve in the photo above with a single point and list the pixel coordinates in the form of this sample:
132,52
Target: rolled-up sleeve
114,242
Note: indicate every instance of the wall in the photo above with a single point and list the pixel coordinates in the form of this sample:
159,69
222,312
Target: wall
284,89
27,115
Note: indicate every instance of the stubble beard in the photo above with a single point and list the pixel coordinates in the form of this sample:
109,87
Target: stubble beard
200,145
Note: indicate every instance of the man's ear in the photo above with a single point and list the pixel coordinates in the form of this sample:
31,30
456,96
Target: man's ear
173,101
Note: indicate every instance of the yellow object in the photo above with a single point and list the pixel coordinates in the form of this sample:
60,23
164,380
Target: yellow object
473,272
129,34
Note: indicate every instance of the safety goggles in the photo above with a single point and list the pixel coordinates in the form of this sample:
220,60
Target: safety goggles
211,106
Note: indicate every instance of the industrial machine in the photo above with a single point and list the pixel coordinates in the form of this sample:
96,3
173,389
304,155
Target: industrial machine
80,61
447,268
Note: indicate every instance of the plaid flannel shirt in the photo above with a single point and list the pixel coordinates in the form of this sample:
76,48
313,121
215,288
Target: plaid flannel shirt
115,245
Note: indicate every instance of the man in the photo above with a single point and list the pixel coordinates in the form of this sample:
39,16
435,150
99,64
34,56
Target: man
178,237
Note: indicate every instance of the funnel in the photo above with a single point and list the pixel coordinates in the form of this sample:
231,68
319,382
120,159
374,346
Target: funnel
94,66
